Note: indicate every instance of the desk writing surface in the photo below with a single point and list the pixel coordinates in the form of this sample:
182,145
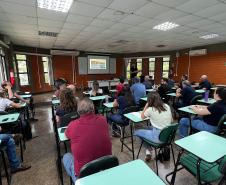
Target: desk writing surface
55,102
205,145
113,90
150,90
62,135
131,173
97,98
25,96
200,91
108,105
209,101
135,117
144,98
187,109
171,94
9,118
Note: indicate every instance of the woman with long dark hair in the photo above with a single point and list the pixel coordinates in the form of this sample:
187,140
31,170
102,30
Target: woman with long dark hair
125,99
68,103
160,117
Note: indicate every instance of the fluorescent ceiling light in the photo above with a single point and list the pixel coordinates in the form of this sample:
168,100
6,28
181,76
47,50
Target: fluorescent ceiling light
56,5
210,36
165,26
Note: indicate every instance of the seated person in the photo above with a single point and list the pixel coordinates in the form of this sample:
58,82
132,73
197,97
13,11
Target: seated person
60,84
125,99
186,94
163,89
204,83
211,115
160,117
96,91
15,164
120,86
68,104
5,102
171,82
89,137
73,88
184,77
138,90
7,86
147,82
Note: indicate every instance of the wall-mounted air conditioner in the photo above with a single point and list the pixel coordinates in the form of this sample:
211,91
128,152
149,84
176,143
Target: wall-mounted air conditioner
198,52
64,52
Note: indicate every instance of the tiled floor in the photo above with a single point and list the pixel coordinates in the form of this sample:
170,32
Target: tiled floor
41,153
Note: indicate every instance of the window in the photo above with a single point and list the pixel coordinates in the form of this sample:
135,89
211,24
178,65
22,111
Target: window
165,67
139,66
45,62
152,67
2,66
128,70
22,69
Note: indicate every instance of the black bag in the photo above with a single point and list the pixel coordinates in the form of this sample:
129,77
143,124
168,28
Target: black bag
164,154
27,129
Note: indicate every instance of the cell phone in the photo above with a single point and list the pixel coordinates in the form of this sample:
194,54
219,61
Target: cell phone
63,130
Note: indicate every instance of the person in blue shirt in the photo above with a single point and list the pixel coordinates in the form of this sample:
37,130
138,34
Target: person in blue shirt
147,82
204,83
138,90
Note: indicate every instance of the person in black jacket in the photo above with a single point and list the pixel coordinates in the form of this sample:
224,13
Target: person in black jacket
163,89
204,83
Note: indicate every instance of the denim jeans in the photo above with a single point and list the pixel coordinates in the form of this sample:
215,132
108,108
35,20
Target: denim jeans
149,134
8,141
68,161
198,124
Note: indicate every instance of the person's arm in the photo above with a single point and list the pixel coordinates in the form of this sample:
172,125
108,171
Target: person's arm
201,110
178,92
15,105
9,89
57,118
115,103
20,98
142,113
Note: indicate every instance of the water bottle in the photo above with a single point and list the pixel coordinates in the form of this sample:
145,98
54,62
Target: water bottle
206,96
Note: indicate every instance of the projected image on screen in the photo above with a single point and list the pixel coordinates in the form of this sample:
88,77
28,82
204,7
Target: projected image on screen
98,63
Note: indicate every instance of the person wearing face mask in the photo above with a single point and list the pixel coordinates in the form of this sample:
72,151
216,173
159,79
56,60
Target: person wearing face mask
209,116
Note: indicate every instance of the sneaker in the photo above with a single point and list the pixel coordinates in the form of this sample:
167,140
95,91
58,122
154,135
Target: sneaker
148,157
22,167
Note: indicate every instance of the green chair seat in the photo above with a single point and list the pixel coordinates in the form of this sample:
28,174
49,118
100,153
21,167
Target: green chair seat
208,172
151,143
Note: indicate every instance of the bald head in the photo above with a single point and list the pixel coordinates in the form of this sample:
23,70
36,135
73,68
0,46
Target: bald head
85,106
204,77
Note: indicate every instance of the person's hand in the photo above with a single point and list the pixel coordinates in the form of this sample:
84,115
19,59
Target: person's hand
27,101
0,128
8,86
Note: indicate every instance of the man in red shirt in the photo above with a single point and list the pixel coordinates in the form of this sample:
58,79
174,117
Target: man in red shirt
89,137
120,86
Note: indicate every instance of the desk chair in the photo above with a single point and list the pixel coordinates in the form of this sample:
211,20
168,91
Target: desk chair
166,137
100,164
8,176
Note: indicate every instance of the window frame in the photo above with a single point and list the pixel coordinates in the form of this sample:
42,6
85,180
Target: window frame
44,72
149,70
18,72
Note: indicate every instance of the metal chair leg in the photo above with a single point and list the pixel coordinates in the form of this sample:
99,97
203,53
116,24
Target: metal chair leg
122,138
173,154
21,150
156,162
140,148
8,177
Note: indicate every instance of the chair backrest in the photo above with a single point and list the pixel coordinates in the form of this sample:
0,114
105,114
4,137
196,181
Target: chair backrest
195,99
66,119
167,134
221,124
100,164
222,166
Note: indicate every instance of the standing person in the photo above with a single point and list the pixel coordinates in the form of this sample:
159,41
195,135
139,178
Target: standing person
96,91
125,99
68,104
204,83
138,90
120,86
133,71
14,162
211,115
171,82
160,117
86,144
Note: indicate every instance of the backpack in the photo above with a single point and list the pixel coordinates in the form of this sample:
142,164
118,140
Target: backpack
164,154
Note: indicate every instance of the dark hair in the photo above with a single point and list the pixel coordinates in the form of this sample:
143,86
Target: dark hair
154,100
221,92
67,100
165,79
85,106
95,85
2,93
185,76
121,79
126,92
186,82
59,82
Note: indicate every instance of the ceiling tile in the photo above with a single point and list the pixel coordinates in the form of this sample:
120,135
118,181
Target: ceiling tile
111,15
85,9
102,23
102,3
52,15
79,19
213,10
170,3
22,2
133,19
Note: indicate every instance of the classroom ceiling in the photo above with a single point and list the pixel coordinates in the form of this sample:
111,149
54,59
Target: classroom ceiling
120,26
